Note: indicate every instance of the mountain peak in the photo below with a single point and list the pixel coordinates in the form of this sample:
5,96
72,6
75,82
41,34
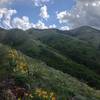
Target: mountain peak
85,28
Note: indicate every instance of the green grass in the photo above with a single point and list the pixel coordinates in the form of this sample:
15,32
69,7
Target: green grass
60,52
43,76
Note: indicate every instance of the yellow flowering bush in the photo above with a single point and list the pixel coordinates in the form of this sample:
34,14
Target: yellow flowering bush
12,54
40,94
45,95
19,99
18,61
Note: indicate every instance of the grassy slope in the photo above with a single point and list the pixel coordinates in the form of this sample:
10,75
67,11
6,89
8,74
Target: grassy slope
45,77
88,34
35,49
78,51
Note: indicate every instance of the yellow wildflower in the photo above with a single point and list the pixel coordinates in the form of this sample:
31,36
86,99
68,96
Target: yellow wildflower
45,96
19,98
53,98
40,94
44,92
51,94
38,90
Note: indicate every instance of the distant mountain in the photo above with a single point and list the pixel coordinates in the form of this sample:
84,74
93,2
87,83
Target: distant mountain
51,58
86,33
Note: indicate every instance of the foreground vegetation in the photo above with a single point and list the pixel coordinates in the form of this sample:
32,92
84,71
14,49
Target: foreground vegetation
48,65
24,77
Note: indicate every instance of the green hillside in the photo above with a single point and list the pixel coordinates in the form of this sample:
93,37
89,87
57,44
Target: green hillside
24,42
75,49
48,65
88,34
24,72
79,50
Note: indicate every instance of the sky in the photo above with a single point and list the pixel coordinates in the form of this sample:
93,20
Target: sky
44,14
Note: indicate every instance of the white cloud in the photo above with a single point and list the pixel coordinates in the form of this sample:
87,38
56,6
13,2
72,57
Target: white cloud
52,26
40,2
65,28
22,23
62,16
85,12
44,13
40,25
5,17
8,22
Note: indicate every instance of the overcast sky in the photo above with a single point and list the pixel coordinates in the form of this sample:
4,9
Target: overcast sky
44,14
